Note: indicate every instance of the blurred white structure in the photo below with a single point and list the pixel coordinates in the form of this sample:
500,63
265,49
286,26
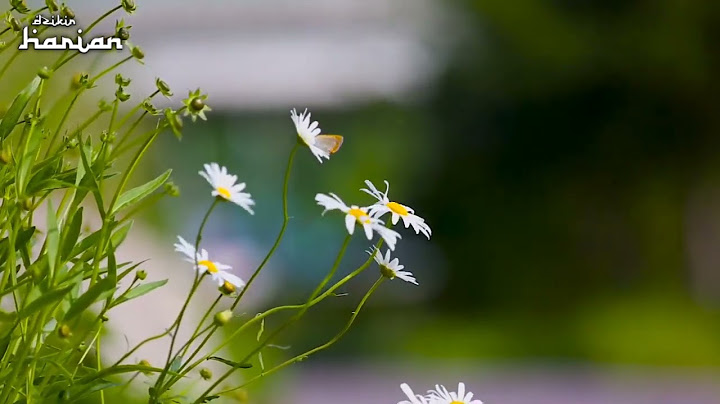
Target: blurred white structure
253,54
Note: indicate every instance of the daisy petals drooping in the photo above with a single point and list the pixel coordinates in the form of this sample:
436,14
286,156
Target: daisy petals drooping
414,398
321,146
397,210
225,186
390,267
357,215
216,270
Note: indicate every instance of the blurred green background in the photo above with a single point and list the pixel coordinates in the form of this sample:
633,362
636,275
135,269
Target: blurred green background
565,154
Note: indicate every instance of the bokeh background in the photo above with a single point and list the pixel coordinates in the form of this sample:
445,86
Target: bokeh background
565,153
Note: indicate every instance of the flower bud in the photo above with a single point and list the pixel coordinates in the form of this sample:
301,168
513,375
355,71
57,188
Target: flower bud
171,189
147,106
79,80
222,318
52,6
206,374
128,6
137,53
64,331
104,318
14,23
163,87
27,204
141,275
20,6
123,33
227,288
197,104
121,81
121,95
6,155
106,137
103,105
71,143
147,364
66,11
45,73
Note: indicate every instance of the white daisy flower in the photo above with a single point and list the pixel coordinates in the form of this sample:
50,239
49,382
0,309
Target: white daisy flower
224,186
355,214
320,145
414,398
442,396
391,269
216,270
384,205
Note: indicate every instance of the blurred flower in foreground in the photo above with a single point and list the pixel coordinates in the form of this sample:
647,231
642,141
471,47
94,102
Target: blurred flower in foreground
355,214
391,269
384,205
442,396
224,186
215,269
414,398
439,396
320,145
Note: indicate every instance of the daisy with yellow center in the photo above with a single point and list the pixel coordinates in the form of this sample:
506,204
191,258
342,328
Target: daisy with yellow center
322,146
355,214
384,205
224,186
441,395
391,269
216,270
414,398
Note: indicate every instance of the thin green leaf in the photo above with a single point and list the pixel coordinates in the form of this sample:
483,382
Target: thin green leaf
138,193
71,235
92,295
46,299
139,290
230,363
12,116
53,237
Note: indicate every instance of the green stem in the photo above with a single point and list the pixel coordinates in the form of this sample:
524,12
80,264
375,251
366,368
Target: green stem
197,329
292,320
304,355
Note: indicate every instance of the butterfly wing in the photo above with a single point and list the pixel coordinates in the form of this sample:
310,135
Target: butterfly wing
329,143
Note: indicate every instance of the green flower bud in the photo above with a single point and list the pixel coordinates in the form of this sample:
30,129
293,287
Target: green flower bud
146,364
147,106
6,155
171,189
121,95
137,53
52,6
163,87
141,275
222,318
64,331
27,204
20,6
123,33
79,80
66,11
103,105
128,6
206,374
106,137
71,143
14,23
227,288
104,318
195,105
121,81
45,73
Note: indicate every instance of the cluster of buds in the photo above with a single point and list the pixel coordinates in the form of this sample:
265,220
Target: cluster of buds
121,82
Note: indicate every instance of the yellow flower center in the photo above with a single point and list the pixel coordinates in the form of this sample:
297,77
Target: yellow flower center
224,192
457,402
400,210
361,216
210,266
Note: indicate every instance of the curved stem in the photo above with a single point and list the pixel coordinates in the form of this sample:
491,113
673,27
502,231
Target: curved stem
304,355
